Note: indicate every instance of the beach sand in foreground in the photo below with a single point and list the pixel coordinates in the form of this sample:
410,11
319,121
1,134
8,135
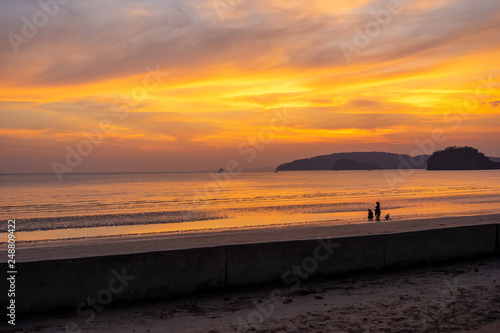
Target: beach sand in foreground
450,297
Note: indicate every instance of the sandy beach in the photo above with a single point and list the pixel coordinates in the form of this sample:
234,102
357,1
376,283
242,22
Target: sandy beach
452,297
76,248
458,296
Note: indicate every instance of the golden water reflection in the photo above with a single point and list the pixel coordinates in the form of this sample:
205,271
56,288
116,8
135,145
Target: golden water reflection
258,221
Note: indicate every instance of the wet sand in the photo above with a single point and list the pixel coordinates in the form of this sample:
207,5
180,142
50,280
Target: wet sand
76,248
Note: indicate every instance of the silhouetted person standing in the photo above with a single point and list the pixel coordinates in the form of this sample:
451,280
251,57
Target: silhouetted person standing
377,211
370,215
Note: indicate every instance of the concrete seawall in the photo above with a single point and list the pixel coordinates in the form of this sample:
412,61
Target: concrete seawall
45,285
498,239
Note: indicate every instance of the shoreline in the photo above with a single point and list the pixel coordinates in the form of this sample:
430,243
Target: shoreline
45,285
182,266
350,209
130,244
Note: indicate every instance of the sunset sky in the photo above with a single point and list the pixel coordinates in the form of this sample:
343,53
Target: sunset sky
232,76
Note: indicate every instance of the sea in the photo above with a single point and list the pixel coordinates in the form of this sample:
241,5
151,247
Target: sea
117,204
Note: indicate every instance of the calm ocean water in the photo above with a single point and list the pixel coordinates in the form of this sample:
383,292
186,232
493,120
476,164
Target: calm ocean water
40,201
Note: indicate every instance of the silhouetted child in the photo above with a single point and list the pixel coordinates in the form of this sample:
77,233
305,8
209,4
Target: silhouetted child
370,215
388,217
377,211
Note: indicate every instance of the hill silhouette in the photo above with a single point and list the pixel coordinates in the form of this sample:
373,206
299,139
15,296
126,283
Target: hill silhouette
347,164
460,158
357,161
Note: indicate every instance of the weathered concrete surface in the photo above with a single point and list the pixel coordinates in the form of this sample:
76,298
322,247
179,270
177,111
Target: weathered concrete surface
254,263
43,285
67,283
498,238
335,255
439,244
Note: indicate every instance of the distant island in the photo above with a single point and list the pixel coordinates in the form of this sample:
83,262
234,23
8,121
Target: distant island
451,158
357,161
347,164
461,158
